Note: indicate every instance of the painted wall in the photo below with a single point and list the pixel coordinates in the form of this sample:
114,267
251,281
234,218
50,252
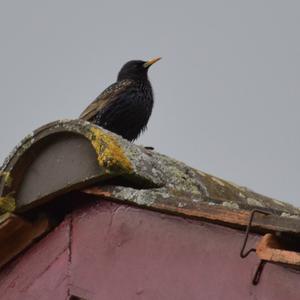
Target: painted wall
112,251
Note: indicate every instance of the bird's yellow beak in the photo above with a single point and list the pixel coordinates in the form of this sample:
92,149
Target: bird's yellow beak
151,62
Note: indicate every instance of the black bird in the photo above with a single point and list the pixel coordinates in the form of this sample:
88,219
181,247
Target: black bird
125,106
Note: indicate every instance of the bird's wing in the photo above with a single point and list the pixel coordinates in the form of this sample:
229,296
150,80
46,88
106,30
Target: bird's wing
109,94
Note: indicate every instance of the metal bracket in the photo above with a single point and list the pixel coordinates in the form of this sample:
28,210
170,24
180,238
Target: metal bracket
244,254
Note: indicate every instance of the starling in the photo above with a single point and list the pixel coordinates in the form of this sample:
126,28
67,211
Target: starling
125,106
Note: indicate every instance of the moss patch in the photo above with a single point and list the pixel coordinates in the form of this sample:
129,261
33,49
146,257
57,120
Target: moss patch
6,178
109,153
7,204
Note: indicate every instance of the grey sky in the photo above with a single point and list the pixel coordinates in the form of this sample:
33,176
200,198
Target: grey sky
227,90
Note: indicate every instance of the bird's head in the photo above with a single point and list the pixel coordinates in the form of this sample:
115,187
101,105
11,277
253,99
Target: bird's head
136,69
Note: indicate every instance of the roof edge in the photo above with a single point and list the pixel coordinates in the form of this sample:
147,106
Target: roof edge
220,214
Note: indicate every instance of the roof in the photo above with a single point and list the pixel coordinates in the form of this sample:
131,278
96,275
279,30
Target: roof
73,155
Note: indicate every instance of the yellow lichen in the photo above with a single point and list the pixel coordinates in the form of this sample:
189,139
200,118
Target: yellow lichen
7,178
7,204
109,153
4,217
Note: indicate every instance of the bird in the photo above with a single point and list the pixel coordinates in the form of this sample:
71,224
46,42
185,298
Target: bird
125,106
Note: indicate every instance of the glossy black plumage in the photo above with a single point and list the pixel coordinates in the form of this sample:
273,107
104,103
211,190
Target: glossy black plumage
125,106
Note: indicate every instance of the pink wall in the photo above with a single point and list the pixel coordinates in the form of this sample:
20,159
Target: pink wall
112,251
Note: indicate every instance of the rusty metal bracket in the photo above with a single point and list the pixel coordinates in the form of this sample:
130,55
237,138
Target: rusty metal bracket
258,272
244,254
